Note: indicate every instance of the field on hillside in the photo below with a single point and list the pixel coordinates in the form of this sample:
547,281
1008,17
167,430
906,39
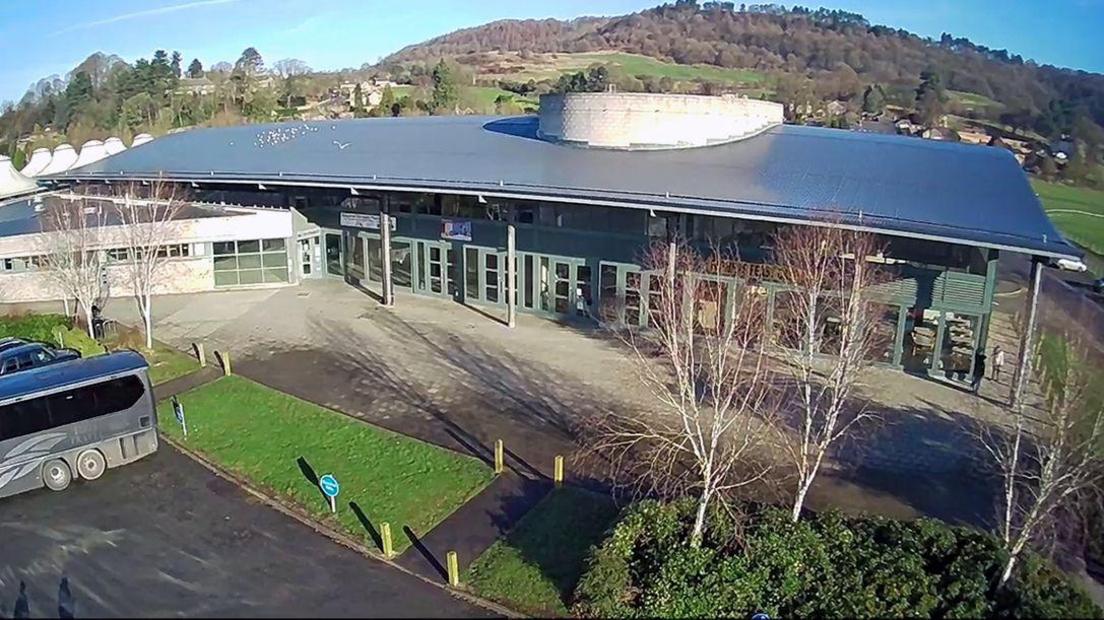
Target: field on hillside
973,101
510,66
1078,212
478,99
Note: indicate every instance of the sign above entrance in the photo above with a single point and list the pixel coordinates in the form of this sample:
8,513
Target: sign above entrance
363,220
456,230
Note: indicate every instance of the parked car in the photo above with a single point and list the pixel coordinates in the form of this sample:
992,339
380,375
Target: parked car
16,355
1098,286
1069,265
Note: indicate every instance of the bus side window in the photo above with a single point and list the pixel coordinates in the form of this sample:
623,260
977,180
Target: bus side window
24,418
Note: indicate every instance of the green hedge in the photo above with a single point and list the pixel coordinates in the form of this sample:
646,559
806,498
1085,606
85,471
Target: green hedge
824,566
41,327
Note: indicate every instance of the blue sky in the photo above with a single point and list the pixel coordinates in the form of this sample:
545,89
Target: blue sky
39,38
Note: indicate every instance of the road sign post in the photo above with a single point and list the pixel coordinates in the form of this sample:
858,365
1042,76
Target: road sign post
330,488
178,411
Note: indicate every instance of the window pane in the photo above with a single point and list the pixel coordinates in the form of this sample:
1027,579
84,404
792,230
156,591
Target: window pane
225,263
226,278
223,247
250,261
25,418
273,260
276,275
247,247
273,245
252,276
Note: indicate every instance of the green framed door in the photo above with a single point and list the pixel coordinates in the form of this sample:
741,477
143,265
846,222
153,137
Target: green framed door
621,289
431,267
484,273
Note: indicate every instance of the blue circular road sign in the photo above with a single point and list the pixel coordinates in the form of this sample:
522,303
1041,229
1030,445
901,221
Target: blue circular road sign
329,485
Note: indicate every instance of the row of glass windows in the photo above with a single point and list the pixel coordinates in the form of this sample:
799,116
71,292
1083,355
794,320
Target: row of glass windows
176,250
580,217
255,261
29,263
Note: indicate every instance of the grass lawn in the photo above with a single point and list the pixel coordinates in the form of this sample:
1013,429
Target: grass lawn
1077,211
973,101
282,444
534,569
545,66
167,363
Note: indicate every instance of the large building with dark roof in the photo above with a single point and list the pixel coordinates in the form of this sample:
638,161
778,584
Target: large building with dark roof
586,186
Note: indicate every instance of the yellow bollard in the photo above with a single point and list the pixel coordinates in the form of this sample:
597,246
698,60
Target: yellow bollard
453,569
201,355
226,369
557,472
385,537
500,459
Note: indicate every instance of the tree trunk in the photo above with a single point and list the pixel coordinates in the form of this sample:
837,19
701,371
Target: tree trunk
147,320
699,521
799,499
1007,574
88,321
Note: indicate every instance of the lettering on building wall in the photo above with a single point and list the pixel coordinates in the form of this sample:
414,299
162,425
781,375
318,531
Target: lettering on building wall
363,220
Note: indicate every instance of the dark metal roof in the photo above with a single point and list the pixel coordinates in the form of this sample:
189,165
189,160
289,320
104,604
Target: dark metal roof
19,384
20,218
891,184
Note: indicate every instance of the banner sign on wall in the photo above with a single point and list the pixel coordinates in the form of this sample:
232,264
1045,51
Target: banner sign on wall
363,220
456,230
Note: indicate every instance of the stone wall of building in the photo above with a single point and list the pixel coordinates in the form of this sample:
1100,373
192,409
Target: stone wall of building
179,275
652,121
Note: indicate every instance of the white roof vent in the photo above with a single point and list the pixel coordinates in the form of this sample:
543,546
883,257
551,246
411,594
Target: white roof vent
63,159
91,151
40,158
114,145
12,183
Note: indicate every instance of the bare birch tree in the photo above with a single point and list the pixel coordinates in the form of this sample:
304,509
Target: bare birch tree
827,329
699,360
147,217
70,251
1046,462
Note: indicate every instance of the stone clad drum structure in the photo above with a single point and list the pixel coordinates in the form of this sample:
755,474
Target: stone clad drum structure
634,121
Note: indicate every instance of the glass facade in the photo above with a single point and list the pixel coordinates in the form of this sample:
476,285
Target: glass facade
576,260
256,261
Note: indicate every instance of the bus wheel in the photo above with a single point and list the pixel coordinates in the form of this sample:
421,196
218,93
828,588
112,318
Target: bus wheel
56,475
91,464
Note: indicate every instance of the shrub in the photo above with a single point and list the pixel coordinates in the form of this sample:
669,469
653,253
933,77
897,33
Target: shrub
828,565
41,327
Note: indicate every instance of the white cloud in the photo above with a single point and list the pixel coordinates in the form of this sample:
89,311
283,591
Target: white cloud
146,13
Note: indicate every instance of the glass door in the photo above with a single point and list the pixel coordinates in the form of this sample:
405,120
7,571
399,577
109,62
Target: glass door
484,275
335,264
308,257
620,288
431,268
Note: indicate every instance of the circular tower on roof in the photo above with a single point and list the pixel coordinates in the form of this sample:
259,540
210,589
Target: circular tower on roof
632,121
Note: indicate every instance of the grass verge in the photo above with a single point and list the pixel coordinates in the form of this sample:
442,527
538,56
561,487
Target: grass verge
1077,211
534,569
165,362
283,444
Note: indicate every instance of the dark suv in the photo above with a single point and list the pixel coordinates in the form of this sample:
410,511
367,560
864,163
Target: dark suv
16,355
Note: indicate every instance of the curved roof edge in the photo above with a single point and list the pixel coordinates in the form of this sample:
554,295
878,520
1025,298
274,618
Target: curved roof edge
899,227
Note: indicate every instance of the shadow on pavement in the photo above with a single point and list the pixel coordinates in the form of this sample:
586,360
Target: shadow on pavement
425,552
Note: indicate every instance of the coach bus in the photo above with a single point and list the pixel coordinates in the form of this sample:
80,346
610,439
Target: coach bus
74,419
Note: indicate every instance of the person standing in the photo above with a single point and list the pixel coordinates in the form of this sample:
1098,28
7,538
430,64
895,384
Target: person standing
998,362
979,370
